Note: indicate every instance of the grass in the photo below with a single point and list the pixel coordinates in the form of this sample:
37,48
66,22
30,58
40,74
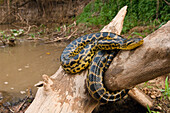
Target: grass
166,91
150,111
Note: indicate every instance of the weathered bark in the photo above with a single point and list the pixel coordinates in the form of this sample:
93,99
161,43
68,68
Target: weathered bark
68,94
147,62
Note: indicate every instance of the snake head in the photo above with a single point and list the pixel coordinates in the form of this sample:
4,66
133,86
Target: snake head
131,43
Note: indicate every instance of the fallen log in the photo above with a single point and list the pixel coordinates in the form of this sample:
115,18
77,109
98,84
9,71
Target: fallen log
67,93
147,62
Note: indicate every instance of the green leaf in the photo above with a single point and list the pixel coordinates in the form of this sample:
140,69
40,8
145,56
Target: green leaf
148,108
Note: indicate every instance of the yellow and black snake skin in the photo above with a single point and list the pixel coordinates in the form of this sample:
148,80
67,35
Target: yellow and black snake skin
103,47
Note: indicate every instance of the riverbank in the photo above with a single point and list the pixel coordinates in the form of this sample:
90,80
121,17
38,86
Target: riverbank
152,88
61,28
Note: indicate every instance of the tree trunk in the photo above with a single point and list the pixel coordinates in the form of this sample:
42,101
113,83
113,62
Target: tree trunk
67,93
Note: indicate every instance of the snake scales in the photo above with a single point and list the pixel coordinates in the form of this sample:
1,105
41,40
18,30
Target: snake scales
98,50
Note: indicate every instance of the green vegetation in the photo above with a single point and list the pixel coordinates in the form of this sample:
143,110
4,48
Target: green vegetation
16,32
140,12
3,35
166,91
12,35
150,111
32,35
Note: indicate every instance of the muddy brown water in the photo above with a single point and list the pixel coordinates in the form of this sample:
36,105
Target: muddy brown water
22,66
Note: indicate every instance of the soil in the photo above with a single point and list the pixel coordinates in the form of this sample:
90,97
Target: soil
152,88
10,104
40,12
47,13
126,105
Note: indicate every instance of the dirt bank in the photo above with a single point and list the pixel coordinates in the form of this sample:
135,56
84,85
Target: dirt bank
40,11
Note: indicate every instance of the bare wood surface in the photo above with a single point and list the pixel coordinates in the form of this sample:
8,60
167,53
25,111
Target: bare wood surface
147,62
67,93
141,97
64,93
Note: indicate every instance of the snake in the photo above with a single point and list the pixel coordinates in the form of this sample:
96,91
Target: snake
98,51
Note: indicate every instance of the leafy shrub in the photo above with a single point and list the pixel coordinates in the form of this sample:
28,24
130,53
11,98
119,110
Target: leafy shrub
140,12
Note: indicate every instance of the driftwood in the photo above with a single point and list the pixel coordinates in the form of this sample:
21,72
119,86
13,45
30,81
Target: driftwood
64,93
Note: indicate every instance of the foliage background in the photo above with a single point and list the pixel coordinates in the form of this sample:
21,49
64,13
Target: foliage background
140,12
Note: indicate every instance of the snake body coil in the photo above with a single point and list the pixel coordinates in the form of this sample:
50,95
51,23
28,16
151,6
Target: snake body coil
79,53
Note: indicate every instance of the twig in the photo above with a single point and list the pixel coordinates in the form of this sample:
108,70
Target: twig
167,2
21,105
30,28
64,38
64,27
72,34
12,12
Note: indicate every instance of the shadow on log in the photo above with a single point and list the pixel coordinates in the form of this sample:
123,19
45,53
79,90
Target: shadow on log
64,93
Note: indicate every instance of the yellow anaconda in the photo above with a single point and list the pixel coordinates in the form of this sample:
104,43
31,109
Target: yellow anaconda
105,45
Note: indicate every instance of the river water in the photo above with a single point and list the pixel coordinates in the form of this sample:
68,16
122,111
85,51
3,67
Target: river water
22,66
